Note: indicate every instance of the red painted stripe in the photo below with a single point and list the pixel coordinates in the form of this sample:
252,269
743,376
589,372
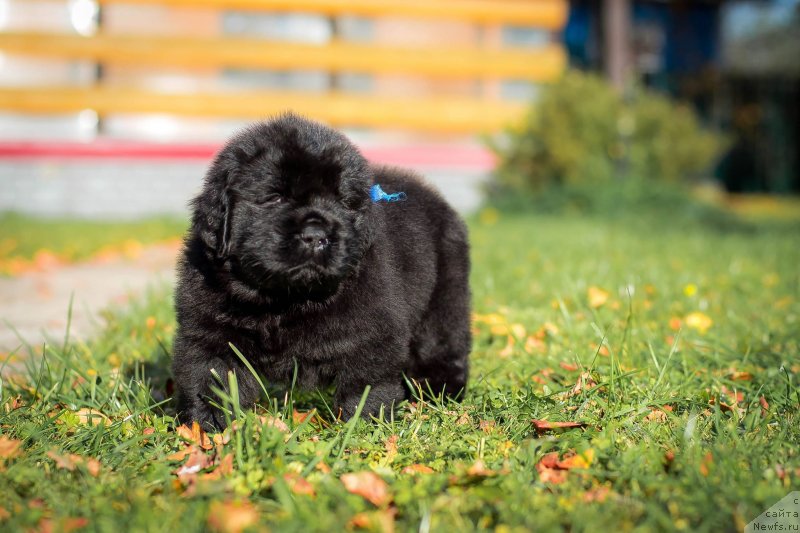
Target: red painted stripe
425,156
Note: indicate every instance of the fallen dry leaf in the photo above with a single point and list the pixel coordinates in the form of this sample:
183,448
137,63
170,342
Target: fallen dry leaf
272,422
597,297
542,426
518,330
181,454
740,376
391,448
14,403
656,415
571,367
231,516
298,417
417,469
298,484
382,520
764,406
585,382
708,460
65,462
548,469
535,344
596,495
509,349
553,470
478,469
224,468
93,466
576,460
71,460
368,485
486,425
698,321
91,417
64,525
195,435
198,460
9,448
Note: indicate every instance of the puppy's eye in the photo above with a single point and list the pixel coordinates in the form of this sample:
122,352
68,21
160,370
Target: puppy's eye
273,198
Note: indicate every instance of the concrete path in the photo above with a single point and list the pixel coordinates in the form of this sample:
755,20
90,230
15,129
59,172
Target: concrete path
33,306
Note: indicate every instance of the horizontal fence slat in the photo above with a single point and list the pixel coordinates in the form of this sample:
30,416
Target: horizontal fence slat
537,64
551,14
445,115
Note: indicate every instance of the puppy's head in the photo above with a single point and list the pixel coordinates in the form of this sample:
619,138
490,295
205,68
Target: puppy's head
285,207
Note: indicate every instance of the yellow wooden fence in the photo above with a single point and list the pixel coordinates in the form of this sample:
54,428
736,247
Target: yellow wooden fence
482,61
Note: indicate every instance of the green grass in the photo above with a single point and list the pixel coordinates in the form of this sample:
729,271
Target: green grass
22,237
699,467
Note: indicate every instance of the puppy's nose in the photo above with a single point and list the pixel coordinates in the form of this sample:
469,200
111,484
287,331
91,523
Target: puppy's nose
314,237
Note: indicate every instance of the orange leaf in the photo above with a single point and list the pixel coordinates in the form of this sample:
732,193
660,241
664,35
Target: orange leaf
585,382
417,469
181,454
568,366
231,516
91,417
298,484
596,495
764,406
708,460
509,349
478,469
550,460
66,462
740,376
198,460
486,425
577,460
698,321
543,425
656,415
367,485
597,297
224,467
553,470
550,475
391,447
9,448
272,422
195,435
382,520
93,466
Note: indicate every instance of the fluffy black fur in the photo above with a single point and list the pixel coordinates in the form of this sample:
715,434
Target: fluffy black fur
289,259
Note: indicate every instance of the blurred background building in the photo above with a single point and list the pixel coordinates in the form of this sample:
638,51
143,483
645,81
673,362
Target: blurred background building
114,107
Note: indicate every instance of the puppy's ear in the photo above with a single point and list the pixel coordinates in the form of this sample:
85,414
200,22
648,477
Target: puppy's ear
213,208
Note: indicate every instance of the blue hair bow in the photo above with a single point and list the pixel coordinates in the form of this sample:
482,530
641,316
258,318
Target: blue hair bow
377,195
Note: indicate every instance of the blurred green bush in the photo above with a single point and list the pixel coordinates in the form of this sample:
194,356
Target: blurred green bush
587,147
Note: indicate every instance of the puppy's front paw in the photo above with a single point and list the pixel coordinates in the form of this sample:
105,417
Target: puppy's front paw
382,395
209,418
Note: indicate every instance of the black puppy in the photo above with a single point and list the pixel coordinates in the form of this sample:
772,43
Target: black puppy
296,257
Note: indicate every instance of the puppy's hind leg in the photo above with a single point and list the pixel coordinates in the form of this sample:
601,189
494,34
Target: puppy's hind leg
442,342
